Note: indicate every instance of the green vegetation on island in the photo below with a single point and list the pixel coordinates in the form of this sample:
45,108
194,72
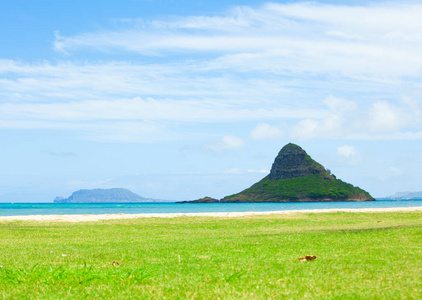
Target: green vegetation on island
202,200
308,188
358,256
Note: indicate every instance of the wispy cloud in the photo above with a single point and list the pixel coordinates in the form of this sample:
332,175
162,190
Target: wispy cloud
380,40
347,151
275,64
228,142
60,154
265,131
145,109
377,120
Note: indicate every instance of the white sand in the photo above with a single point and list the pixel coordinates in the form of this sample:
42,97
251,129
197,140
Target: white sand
87,218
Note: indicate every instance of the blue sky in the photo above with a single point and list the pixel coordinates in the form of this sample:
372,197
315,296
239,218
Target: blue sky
183,99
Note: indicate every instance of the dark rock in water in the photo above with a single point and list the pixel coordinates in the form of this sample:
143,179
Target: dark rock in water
115,195
202,200
296,177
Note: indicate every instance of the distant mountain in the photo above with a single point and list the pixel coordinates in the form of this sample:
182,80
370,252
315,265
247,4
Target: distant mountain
114,195
296,177
405,196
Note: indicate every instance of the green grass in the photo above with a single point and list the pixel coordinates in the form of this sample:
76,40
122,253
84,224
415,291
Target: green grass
311,187
210,258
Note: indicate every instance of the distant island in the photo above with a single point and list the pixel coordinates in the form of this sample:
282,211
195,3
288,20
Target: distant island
404,196
115,195
296,177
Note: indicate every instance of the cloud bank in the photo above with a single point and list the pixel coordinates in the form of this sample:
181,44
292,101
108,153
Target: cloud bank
321,70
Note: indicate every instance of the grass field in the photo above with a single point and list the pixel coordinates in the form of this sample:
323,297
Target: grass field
359,256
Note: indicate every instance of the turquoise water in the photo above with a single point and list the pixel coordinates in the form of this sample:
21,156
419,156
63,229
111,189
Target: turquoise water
21,209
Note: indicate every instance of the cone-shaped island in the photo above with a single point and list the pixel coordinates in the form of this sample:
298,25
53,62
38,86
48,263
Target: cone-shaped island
296,177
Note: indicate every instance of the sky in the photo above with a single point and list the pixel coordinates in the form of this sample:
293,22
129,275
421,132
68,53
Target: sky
177,100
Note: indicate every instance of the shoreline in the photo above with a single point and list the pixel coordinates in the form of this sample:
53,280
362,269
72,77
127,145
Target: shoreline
90,218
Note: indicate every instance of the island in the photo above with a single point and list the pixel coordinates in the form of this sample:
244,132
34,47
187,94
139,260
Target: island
296,177
404,196
114,195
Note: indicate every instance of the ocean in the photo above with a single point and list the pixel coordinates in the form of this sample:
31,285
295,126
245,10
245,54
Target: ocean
22,209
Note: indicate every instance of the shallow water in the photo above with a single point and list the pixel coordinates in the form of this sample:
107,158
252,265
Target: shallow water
22,209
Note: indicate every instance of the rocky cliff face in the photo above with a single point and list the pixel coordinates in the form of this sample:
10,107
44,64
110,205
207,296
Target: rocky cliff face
292,161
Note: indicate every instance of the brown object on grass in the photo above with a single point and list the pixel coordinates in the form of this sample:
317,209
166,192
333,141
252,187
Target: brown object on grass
307,258
115,263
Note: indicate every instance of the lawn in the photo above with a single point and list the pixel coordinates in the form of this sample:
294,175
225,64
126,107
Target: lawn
359,256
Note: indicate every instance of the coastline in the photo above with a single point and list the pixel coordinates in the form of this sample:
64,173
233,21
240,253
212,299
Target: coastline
91,218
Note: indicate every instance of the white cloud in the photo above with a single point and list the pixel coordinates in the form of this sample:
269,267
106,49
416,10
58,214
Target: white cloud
347,151
142,109
339,104
332,125
378,120
265,131
379,40
396,171
386,117
267,64
127,132
336,33
228,142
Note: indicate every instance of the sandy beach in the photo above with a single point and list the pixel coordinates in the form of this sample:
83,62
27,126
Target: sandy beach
90,218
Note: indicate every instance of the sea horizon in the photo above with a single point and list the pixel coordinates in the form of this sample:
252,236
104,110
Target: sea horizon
22,209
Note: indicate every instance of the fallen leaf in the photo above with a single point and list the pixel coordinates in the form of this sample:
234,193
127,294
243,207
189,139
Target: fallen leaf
307,258
115,263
